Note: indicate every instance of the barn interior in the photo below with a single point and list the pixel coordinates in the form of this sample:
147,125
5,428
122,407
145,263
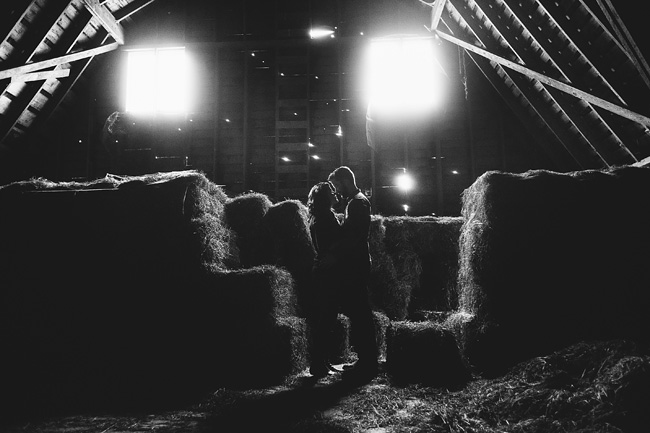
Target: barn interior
154,244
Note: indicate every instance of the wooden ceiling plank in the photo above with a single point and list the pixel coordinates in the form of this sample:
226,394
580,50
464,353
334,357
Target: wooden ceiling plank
515,92
593,128
9,19
105,17
535,95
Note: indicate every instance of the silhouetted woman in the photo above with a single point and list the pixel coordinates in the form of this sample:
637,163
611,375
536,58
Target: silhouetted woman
325,232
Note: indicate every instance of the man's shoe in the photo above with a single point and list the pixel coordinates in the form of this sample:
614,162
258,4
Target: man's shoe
319,370
333,369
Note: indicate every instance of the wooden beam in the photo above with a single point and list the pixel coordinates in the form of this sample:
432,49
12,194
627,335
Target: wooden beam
105,17
436,13
43,75
31,67
621,111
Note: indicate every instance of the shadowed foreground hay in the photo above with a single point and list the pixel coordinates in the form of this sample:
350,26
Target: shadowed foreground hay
424,352
549,259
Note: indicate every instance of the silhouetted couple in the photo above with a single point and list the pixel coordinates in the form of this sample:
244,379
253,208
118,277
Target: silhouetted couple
340,273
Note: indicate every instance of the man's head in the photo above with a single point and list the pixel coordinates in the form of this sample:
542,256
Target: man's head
343,180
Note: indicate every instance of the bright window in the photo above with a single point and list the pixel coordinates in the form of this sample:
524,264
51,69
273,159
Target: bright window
403,76
157,81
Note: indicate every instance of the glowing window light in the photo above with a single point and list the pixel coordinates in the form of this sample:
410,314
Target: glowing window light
403,75
157,81
404,182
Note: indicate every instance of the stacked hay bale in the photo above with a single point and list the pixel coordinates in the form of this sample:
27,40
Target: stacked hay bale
415,264
388,293
425,253
112,283
261,341
548,259
244,215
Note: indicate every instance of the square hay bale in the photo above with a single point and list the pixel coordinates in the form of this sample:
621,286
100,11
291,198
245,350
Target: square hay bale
425,254
388,292
382,322
260,294
424,352
549,259
415,263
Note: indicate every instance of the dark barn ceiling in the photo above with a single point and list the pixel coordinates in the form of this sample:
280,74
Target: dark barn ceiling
570,70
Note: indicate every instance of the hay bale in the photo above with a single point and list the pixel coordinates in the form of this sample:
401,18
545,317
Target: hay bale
244,215
261,294
105,274
415,263
382,322
261,356
388,293
288,226
425,254
548,259
424,352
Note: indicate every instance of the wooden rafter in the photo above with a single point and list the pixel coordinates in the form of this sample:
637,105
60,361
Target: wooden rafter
21,70
535,97
625,38
588,122
80,66
104,16
567,88
43,75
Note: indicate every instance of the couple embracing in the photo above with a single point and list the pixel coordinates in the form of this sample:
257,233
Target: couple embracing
340,273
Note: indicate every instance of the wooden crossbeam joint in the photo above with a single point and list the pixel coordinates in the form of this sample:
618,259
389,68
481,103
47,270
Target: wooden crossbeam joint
101,12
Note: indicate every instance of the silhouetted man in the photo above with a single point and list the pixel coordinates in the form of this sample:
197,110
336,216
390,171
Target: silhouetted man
354,254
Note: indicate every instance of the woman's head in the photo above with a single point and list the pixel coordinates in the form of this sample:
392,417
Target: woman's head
320,198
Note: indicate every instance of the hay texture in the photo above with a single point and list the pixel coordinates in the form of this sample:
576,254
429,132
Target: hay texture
415,264
388,293
425,253
424,352
549,259
286,224
244,215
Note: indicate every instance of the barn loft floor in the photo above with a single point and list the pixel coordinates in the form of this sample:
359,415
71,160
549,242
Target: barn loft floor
586,387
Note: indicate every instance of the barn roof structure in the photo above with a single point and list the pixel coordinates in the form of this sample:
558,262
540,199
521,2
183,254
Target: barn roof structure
570,70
